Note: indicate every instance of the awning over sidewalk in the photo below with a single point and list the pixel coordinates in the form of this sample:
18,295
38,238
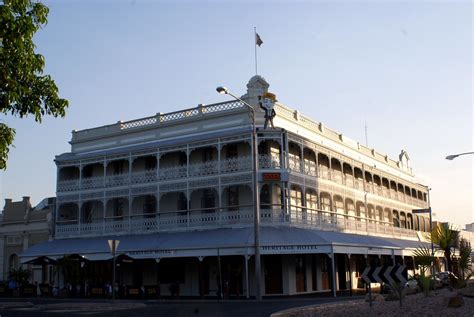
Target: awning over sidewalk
225,241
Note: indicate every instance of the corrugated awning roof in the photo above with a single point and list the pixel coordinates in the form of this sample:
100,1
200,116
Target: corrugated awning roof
96,248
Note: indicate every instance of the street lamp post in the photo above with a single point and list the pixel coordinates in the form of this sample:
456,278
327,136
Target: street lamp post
256,198
453,156
428,210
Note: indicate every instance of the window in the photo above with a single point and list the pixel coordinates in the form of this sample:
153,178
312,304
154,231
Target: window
233,198
118,168
232,151
149,207
87,171
207,154
13,262
150,163
118,207
182,202
87,212
14,240
208,199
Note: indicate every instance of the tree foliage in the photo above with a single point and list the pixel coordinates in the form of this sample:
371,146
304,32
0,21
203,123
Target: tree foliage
423,258
464,260
20,276
24,90
446,238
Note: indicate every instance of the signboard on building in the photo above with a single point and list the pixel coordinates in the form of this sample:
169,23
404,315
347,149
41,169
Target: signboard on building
271,177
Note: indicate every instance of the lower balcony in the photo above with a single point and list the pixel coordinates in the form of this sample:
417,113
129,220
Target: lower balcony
239,217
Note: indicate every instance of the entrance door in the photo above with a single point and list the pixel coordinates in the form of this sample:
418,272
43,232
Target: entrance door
325,272
300,273
341,271
273,274
232,275
203,267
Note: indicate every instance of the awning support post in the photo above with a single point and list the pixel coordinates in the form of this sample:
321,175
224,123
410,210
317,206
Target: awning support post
333,272
246,261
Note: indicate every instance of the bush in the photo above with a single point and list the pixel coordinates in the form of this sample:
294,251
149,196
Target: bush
425,284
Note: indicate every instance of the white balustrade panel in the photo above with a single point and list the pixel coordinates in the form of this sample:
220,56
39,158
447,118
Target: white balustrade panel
213,218
68,185
173,172
268,161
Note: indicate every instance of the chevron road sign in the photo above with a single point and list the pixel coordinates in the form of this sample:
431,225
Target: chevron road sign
385,274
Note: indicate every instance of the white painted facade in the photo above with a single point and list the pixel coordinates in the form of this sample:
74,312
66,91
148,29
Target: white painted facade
190,171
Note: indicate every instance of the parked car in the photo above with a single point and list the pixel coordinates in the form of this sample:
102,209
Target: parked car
412,286
437,283
446,277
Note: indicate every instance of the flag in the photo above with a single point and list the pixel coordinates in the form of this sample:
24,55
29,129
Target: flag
258,40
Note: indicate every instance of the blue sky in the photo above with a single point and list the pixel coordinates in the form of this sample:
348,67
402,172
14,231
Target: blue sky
405,68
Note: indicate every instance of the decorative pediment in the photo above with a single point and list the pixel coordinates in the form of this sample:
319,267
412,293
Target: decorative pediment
257,82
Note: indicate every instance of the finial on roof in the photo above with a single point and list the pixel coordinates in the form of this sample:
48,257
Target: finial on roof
256,87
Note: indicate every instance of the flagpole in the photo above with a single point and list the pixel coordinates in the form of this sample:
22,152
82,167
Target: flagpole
255,44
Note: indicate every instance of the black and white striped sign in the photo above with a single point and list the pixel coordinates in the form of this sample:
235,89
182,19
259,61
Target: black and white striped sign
385,274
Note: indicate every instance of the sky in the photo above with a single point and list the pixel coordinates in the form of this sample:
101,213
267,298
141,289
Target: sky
402,68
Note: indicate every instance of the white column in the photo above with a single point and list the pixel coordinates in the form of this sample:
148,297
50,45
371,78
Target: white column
25,247
333,272
301,158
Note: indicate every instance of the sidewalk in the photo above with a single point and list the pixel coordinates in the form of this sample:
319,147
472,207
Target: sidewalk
70,305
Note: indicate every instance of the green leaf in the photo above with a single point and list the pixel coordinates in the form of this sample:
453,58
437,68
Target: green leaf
24,90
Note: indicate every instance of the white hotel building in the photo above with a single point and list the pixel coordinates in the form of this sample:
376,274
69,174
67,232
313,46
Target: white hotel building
176,189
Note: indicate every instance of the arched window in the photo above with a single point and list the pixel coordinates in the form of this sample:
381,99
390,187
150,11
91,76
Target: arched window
13,263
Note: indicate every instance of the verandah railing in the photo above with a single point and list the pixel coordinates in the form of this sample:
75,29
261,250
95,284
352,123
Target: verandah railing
232,216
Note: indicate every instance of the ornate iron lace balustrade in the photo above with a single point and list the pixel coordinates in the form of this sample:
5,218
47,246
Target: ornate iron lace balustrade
166,173
294,164
148,176
268,161
180,115
236,164
68,185
310,168
92,182
173,172
116,180
203,169
212,218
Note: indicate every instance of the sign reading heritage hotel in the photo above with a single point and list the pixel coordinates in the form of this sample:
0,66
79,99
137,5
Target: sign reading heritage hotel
289,249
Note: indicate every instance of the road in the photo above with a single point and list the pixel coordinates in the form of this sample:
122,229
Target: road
176,308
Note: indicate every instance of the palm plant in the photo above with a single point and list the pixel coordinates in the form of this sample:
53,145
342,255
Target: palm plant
20,276
464,260
424,260
446,239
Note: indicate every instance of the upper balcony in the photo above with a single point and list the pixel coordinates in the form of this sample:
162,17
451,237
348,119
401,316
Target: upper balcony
152,175
366,179
161,126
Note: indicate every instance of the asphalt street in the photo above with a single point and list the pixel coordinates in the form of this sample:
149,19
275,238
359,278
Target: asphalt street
180,309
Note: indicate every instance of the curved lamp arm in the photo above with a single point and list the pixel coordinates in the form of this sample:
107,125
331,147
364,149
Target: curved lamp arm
453,156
